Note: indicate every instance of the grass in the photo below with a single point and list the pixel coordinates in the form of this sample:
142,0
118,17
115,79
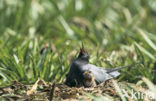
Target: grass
115,32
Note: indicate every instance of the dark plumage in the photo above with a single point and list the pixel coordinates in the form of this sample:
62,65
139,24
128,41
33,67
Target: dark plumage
80,68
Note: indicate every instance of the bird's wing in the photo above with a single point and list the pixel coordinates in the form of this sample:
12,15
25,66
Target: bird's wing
100,73
112,71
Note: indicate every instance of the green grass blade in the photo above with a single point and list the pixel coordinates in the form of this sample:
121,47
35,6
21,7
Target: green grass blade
150,43
145,52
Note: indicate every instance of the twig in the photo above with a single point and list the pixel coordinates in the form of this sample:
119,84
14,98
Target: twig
51,95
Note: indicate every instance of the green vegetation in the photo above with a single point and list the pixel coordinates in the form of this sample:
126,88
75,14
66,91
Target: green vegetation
115,33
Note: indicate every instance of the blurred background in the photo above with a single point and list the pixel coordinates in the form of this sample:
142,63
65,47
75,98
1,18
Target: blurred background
115,33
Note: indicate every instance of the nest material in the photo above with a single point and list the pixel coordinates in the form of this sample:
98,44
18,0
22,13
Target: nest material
43,91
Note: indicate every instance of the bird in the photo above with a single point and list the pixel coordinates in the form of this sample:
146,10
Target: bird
89,79
82,73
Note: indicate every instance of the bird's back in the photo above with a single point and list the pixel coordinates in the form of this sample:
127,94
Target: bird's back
100,73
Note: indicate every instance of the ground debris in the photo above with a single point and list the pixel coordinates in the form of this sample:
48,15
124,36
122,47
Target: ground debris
42,91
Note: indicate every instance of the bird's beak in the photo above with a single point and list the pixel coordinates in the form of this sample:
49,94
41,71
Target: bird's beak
82,50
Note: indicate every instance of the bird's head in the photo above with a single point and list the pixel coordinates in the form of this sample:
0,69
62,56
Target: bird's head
88,79
83,54
88,75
